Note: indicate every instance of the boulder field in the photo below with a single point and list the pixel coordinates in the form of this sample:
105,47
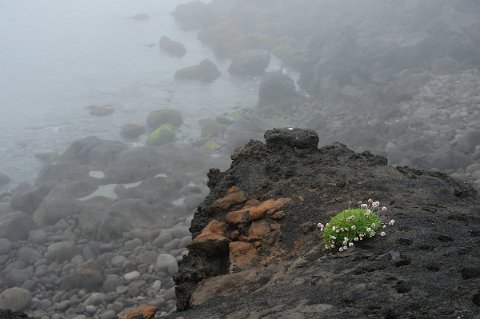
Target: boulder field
257,251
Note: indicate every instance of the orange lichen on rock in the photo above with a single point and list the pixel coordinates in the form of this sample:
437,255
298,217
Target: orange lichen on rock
242,255
212,240
234,196
237,217
144,312
270,206
258,230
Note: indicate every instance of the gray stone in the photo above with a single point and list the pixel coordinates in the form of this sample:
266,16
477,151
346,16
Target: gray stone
162,239
172,47
96,298
133,275
37,236
16,277
61,251
26,197
111,283
15,225
165,262
205,71
109,314
28,255
5,246
132,244
16,299
4,179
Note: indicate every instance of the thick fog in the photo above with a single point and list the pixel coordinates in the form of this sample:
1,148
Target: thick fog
169,89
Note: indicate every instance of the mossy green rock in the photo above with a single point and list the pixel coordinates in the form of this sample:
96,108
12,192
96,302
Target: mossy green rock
162,135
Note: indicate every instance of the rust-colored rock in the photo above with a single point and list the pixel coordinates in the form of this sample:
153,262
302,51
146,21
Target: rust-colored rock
241,255
212,240
234,196
143,312
308,227
270,205
238,217
278,215
258,230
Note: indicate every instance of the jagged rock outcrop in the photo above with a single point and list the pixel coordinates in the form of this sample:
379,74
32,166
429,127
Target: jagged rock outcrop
257,253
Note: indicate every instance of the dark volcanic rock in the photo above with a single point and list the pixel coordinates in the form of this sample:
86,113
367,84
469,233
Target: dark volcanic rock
8,314
276,265
250,62
276,89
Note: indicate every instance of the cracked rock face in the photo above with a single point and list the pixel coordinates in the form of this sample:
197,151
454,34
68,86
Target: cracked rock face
257,253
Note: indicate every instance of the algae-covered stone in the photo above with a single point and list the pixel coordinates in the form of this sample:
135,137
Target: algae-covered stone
162,135
165,116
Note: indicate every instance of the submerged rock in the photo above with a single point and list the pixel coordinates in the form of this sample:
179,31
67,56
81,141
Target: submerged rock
277,89
164,116
131,130
206,71
173,47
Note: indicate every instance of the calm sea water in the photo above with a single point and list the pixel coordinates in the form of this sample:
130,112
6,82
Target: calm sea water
57,57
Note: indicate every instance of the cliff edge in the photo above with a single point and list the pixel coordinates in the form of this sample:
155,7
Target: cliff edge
257,251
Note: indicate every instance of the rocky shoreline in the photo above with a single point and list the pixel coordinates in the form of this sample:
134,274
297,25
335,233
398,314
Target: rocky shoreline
100,231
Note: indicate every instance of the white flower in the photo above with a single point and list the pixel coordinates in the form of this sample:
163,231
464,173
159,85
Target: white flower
333,228
373,225
340,249
384,226
363,206
375,204
372,234
369,229
333,237
384,209
353,227
382,233
350,244
321,226
355,238
370,200
391,222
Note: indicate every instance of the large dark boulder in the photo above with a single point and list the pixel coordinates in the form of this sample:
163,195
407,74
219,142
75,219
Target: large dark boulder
27,197
266,207
205,71
15,225
277,89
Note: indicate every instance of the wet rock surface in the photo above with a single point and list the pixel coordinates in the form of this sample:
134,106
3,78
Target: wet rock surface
276,266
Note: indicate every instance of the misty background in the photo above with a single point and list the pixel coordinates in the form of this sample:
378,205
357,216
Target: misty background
93,226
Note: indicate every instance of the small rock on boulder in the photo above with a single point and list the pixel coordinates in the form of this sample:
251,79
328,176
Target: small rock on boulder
173,47
250,63
294,137
212,240
206,71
